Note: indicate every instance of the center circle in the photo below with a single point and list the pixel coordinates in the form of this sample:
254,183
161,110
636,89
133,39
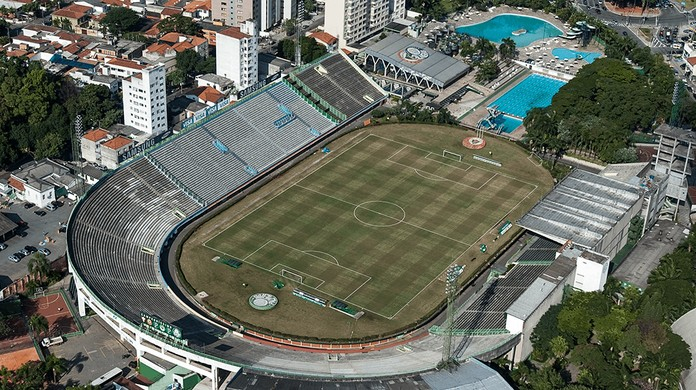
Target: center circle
379,213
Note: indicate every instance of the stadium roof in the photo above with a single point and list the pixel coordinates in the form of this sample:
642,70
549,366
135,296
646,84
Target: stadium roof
470,375
417,59
684,327
531,298
581,208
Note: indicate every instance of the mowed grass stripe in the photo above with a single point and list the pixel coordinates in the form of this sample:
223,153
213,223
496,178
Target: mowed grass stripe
384,254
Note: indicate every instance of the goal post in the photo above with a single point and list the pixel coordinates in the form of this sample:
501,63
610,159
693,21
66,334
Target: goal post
451,155
291,275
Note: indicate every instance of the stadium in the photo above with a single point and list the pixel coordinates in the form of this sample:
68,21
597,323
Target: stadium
167,203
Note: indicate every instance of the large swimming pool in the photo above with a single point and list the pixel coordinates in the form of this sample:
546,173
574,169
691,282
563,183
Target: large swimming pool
534,91
503,26
567,54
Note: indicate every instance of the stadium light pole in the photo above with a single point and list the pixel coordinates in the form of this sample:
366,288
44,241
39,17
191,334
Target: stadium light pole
452,275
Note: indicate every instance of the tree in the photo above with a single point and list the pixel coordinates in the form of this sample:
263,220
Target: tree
54,365
289,26
311,50
39,266
487,71
63,23
191,64
38,324
507,49
119,20
49,146
559,347
180,24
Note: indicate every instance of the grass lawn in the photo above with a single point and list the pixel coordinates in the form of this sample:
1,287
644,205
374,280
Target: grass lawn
375,223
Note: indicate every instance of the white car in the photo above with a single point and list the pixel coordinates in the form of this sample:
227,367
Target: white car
44,251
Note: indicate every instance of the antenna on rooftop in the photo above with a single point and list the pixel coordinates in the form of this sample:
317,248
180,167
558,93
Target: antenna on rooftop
299,18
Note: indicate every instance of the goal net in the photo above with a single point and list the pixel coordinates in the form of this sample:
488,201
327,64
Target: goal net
291,275
452,155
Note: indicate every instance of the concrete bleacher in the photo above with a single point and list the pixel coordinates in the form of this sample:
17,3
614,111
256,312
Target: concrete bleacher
486,311
328,79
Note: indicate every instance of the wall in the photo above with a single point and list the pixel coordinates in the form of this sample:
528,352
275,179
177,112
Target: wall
616,238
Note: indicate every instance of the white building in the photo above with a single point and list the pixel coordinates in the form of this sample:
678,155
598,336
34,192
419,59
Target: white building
41,182
237,56
591,272
271,13
233,12
289,9
145,100
354,20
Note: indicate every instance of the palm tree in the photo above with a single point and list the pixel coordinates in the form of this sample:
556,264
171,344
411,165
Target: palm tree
507,49
38,324
55,365
39,266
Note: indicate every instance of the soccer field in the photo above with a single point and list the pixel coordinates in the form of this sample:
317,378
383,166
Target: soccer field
375,224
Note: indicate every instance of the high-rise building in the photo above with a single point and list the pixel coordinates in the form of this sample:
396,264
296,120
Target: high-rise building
237,55
145,100
271,13
354,20
234,12
289,9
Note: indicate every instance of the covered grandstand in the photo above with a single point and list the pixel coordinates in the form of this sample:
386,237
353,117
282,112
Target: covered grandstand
408,60
588,209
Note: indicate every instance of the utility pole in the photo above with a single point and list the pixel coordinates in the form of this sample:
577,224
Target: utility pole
452,274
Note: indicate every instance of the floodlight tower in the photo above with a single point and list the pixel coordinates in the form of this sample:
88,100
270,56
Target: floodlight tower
452,275
76,151
299,18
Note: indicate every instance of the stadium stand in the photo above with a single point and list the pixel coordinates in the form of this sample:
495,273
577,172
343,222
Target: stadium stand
116,231
327,79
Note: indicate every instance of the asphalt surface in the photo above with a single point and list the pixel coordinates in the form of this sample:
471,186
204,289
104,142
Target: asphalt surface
36,228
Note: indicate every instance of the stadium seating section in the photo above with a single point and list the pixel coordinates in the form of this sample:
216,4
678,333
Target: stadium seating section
116,232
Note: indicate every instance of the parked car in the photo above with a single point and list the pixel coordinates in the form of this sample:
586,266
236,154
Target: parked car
40,213
24,252
45,251
51,207
14,258
47,342
30,248
57,203
3,246
29,205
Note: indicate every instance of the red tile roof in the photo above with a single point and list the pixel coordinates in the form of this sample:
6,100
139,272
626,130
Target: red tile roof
691,60
117,142
16,184
171,11
208,94
125,64
325,37
234,32
96,135
73,11
198,4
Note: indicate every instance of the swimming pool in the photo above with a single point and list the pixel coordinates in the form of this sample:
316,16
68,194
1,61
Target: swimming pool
533,91
567,54
503,26
509,124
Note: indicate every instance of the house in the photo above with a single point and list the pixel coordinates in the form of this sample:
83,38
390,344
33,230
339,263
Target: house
205,95
198,9
222,84
166,49
324,39
77,16
41,182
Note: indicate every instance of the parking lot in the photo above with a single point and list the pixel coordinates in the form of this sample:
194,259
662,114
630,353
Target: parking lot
35,230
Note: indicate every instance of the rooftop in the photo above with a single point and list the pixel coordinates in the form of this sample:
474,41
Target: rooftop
531,298
627,173
675,132
223,82
418,59
6,224
324,37
234,32
72,11
121,63
117,143
96,135
470,375
581,208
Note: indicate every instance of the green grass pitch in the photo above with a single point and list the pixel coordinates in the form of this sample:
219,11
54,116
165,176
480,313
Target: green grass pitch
376,224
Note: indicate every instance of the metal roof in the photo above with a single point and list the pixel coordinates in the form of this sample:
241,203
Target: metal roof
436,66
531,298
470,375
581,208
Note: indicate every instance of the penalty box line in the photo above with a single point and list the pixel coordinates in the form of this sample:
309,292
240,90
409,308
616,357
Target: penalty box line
303,274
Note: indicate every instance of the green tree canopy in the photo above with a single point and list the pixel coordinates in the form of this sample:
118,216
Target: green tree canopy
119,20
180,24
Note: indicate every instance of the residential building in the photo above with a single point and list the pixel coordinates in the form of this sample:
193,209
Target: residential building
674,158
90,144
234,12
112,149
354,20
289,9
271,13
205,95
41,182
121,68
145,100
220,83
77,16
237,54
